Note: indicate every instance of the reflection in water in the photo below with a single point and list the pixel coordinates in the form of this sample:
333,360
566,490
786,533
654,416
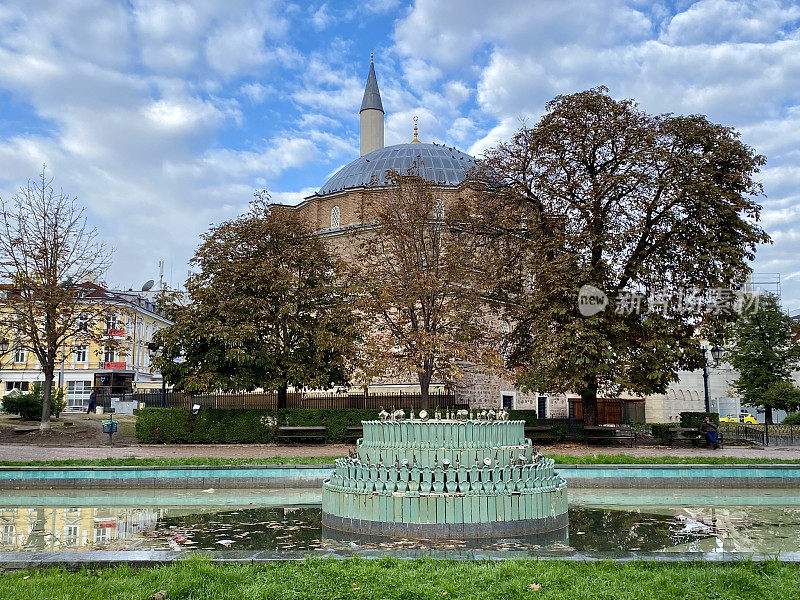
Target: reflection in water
298,528
84,528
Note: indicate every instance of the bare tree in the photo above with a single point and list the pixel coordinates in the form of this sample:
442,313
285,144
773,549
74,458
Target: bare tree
416,272
48,253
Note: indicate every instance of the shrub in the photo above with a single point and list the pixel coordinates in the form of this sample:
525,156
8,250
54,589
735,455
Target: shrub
164,425
792,419
659,431
693,419
29,405
239,426
529,416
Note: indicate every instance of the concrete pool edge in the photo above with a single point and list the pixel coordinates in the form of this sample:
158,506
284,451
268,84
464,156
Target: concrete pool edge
311,476
10,561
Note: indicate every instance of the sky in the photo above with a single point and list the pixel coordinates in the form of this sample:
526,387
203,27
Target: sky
164,117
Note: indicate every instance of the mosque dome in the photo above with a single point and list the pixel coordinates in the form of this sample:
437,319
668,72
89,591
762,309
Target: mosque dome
440,165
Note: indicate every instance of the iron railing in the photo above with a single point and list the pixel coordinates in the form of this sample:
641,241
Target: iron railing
762,434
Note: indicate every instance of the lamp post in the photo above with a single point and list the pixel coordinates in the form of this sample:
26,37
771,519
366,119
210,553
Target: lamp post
716,355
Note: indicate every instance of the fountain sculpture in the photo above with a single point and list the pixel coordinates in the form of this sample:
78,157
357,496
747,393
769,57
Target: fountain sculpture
453,476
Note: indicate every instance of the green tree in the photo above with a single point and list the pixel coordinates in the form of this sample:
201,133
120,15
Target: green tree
266,310
764,352
418,287
627,202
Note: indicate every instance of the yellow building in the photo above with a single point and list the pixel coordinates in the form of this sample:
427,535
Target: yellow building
45,528
116,359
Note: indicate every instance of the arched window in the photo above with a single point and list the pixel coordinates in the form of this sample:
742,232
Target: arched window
335,217
438,211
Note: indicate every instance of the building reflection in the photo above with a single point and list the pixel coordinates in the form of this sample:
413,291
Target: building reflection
43,528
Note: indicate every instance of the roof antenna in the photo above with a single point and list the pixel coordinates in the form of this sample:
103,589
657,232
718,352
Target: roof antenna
416,139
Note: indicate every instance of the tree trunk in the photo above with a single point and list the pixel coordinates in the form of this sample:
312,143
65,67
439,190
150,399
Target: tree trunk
425,376
589,400
282,396
47,394
768,415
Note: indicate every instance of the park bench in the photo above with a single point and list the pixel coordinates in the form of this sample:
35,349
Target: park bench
353,433
26,429
299,433
540,433
688,434
600,433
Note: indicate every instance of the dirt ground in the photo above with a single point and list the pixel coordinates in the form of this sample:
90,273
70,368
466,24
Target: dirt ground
69,430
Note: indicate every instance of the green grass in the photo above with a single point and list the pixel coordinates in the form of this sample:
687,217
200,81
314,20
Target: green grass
561,459
626,459
173,462
421,579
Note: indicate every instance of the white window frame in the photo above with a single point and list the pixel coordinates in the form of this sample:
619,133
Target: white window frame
109,351
80,353
8,535
78,394
20,356
72,534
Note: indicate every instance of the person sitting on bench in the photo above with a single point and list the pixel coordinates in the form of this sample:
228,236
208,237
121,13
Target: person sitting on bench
708,429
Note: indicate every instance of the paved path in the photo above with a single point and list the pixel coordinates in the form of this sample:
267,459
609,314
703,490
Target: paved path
24,452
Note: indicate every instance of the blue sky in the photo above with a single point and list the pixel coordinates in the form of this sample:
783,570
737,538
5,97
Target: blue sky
163,117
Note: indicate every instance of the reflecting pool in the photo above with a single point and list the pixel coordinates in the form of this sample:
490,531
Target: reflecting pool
663,520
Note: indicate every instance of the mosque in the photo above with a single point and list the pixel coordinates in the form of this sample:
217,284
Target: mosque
335,210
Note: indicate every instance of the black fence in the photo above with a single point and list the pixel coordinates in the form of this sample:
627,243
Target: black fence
764,435
269,400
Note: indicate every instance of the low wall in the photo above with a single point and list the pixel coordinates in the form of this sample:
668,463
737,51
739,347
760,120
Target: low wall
680,476
311,476
239,476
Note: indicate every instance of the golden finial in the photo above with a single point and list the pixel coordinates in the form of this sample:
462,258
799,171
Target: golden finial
416,139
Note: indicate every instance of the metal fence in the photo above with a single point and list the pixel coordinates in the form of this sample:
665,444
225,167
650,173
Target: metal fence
765,435
269,400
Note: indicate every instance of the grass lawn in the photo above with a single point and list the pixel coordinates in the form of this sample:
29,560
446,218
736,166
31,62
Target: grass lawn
562,459
173,462
626,459
421,579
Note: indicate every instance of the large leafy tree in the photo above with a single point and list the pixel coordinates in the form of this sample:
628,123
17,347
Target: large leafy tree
48,253
266,309
764,352
630,203
419,288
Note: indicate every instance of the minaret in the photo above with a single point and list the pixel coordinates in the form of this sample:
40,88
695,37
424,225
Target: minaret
371,114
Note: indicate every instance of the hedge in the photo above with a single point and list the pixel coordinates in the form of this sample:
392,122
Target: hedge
659,431
693,419
238,426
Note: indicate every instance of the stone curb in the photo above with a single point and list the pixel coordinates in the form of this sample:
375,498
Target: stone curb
85,559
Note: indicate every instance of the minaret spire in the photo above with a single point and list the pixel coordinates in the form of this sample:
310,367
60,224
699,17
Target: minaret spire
371,113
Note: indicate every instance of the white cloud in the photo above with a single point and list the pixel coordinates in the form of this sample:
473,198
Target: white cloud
711,21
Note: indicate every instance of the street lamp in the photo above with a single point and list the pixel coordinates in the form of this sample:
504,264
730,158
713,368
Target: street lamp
4,346
716,355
